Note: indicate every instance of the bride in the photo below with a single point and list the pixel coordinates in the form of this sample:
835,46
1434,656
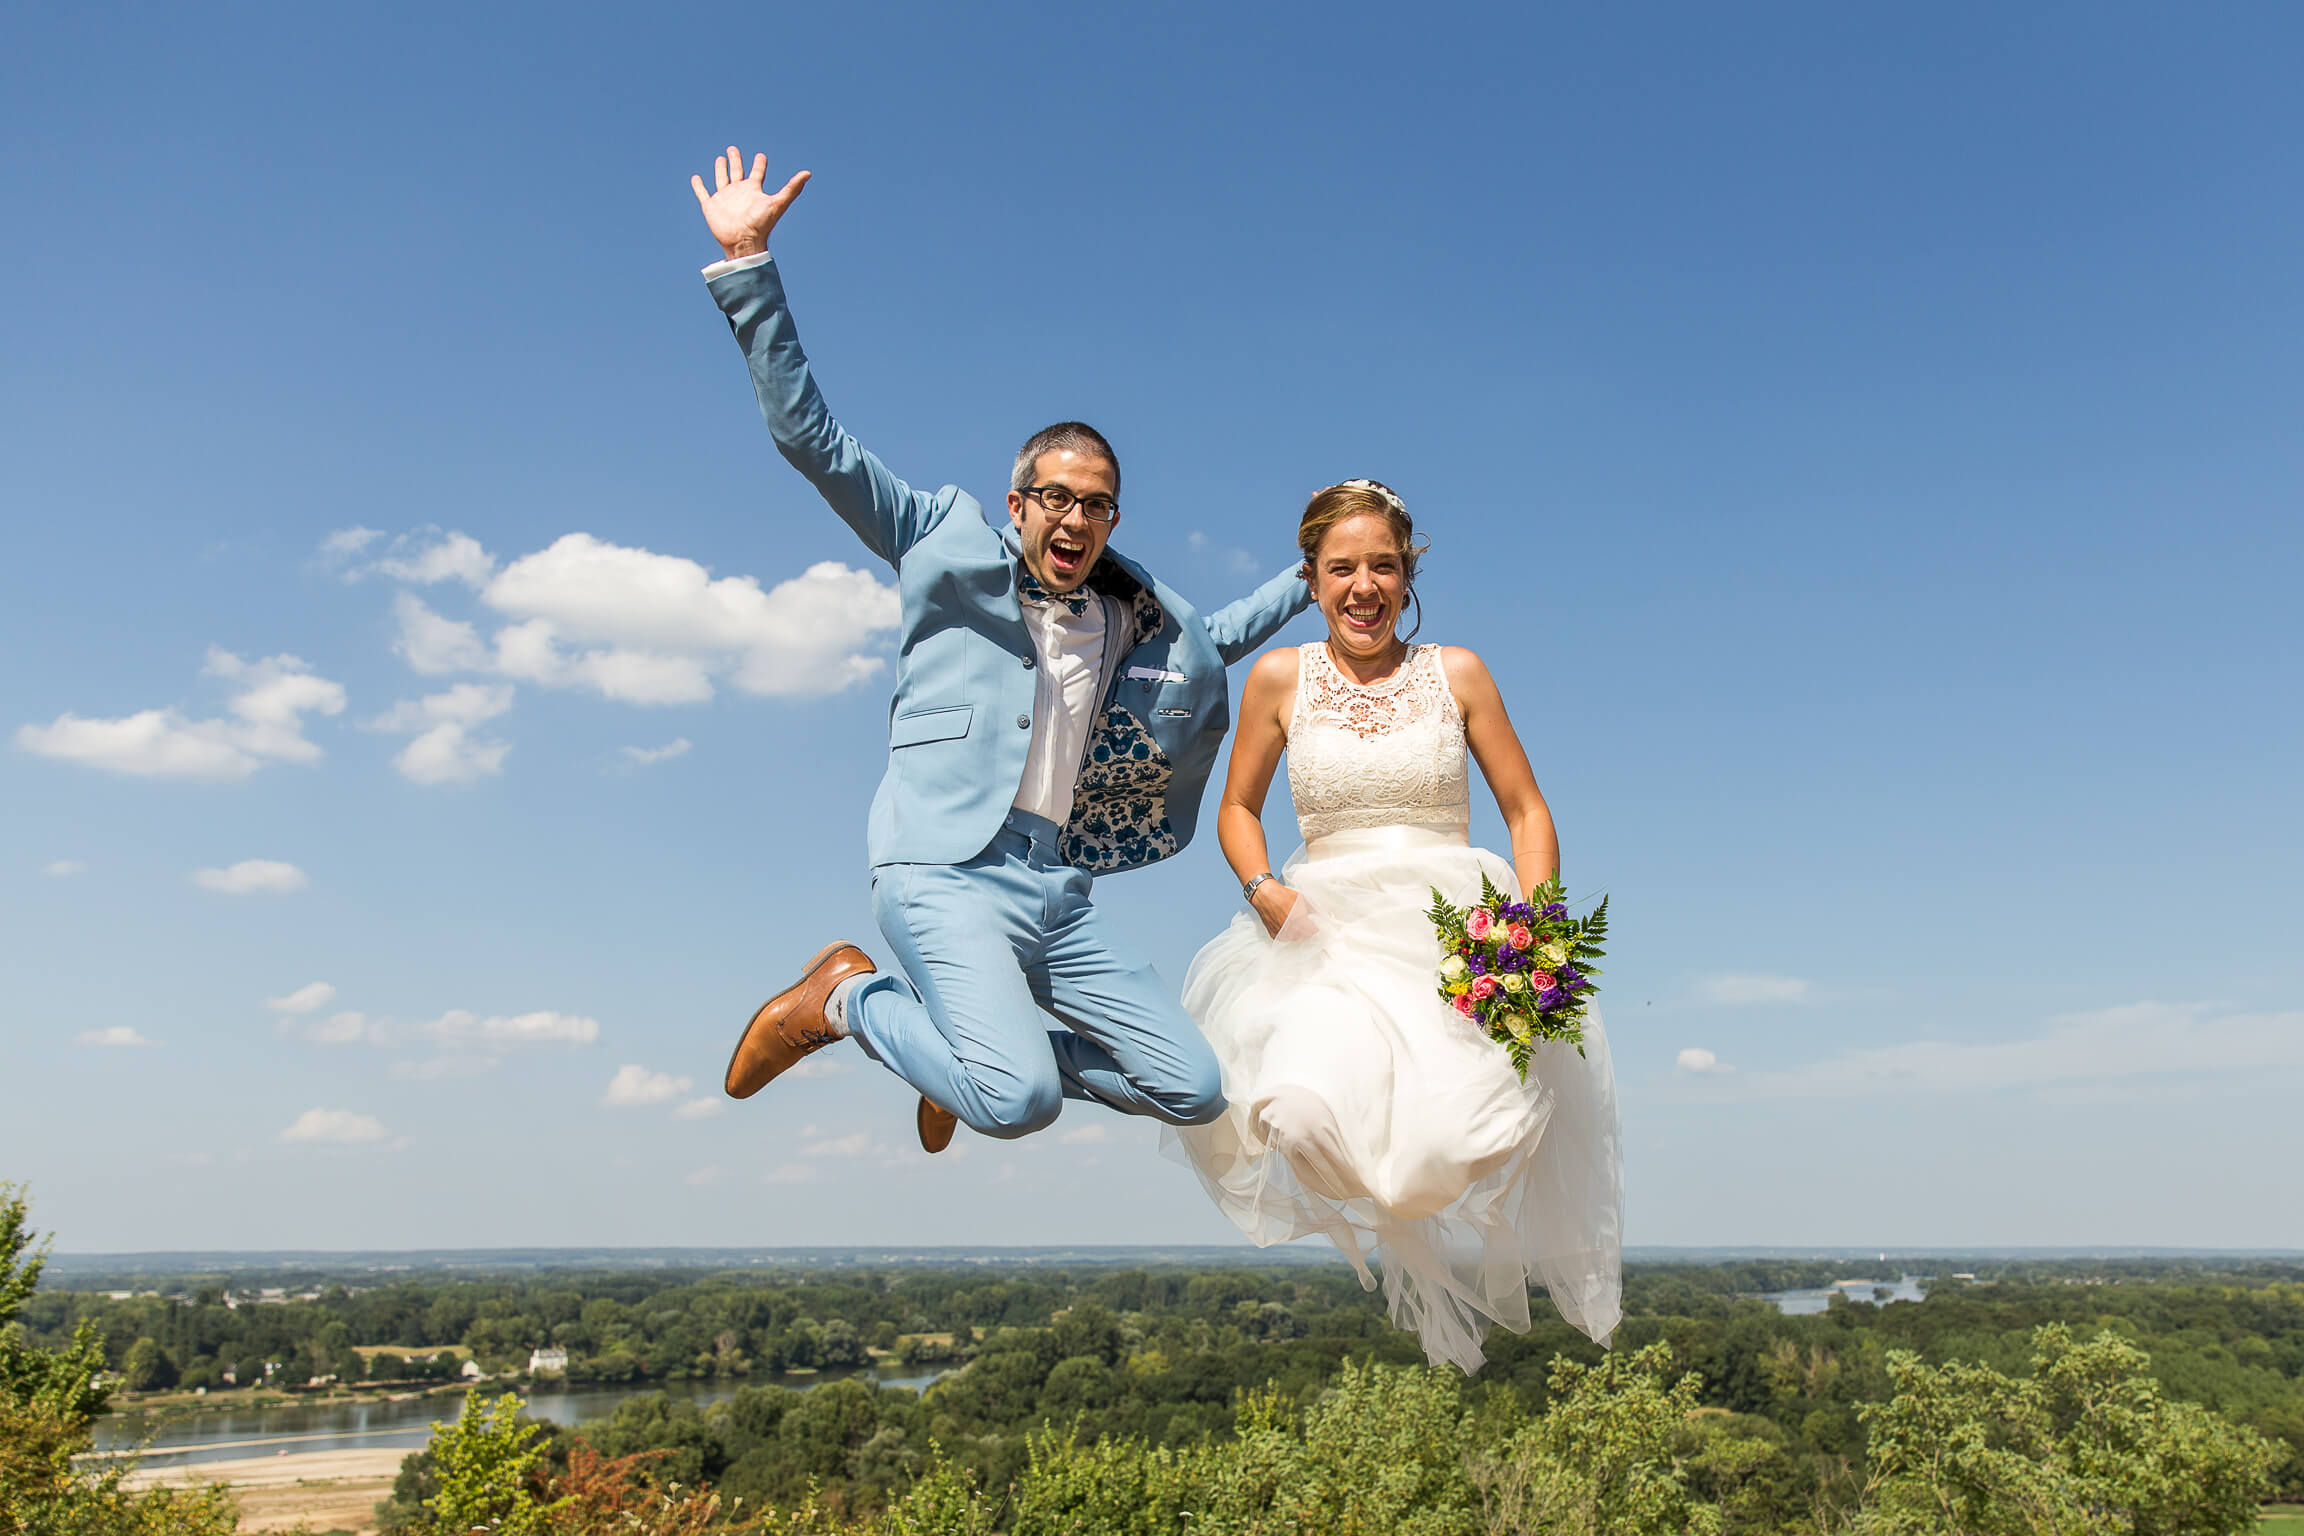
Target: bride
1363,1107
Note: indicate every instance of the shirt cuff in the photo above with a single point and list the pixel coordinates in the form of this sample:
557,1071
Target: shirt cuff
739,264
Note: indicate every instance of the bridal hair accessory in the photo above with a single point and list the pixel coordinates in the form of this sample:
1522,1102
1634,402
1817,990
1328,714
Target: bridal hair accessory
1379,487
1520,969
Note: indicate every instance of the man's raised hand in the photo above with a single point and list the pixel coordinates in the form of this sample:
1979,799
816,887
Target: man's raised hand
740,211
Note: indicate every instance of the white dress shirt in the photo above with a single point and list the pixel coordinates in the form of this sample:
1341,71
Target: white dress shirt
1069,649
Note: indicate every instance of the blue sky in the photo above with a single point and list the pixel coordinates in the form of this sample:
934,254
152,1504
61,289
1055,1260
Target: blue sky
1864,447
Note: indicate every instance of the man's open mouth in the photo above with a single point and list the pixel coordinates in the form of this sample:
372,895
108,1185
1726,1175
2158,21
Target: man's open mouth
1066,555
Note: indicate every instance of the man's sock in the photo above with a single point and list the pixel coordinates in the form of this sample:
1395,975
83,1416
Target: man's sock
836,1005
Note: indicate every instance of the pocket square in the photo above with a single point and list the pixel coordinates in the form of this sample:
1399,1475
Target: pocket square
1156,675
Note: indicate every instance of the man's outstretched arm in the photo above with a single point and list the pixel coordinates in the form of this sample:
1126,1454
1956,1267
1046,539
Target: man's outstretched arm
1240,627
888,515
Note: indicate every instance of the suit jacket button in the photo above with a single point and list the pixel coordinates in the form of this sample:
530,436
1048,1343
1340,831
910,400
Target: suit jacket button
1028,663
1024,722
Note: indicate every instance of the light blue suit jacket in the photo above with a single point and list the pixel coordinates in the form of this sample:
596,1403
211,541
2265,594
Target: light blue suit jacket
961,722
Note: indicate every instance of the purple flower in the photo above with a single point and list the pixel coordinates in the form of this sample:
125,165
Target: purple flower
1478,964
1571,979
1506,956
1519,912
1548,999
1558,911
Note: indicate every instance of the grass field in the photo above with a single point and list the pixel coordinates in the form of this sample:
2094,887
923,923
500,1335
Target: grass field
2282,1520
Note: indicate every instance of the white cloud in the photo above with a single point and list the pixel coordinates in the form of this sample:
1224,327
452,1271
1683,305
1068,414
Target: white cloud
700,1109
841,1146
116,1035
656,625
252,875
1238,561
790,1173
431,644
1740,991
1084,1135
646,628
64,868
305,999
266,724
706,1176
635,1084
347,544
443,1066
431,556
2159,1041
458,1027
467,1042
334,1125
445,751
1703,1063
425,557
822,1064
341,1029
634,625
643,756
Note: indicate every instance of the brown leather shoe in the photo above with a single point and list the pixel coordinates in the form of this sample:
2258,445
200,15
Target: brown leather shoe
936,1125
791,1024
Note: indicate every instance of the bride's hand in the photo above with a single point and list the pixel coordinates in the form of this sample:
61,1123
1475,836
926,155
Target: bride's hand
1273,902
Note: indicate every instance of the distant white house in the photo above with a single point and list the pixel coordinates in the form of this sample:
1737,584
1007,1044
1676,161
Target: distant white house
471,1371
552,1359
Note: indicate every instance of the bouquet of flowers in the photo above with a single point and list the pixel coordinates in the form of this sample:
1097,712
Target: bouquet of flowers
1521,970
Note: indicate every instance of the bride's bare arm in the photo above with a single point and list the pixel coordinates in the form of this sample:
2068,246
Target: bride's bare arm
1265,701
1504,764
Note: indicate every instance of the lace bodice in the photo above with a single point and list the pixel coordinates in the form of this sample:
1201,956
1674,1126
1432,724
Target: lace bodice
1376,755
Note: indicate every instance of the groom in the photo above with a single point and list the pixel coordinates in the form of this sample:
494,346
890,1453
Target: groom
1057,712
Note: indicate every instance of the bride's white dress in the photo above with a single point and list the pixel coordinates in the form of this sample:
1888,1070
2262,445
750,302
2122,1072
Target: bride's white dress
1362,1107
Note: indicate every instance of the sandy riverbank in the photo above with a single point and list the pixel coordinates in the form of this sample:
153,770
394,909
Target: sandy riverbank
327,1490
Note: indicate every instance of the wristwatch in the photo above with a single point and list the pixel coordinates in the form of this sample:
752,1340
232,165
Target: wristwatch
1248,891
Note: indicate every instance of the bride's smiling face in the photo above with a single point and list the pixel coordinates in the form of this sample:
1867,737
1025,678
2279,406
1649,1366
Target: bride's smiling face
1360,580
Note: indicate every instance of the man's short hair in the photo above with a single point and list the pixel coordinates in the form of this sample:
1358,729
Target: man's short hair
1064,437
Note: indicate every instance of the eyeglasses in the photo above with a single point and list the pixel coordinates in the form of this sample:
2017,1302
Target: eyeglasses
1097,509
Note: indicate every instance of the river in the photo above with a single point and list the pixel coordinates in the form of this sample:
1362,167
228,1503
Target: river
382,1423
1803,1303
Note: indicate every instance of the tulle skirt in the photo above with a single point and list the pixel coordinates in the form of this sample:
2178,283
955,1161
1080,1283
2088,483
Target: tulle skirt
1366,1110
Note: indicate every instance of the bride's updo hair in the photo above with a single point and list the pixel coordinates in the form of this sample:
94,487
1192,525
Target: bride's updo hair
1348,499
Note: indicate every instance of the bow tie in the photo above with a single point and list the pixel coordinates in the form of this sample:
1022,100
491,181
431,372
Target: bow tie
1029,589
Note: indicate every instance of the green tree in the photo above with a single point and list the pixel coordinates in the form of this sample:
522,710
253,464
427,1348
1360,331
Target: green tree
2086,1445
67,1380
47,1400
1602,1459
147,1368
488,1467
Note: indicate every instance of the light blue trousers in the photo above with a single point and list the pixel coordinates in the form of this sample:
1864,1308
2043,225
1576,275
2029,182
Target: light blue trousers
985,952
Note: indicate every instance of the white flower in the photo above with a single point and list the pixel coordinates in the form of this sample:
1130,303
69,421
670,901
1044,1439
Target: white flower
1555,954
1515,982
1453,967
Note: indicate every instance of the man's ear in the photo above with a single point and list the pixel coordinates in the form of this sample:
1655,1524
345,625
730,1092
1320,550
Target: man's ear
1016,509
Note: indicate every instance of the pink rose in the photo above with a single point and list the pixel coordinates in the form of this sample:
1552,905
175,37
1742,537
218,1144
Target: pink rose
1484,988
1520,936
1464,1004
1478,924
1543,981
